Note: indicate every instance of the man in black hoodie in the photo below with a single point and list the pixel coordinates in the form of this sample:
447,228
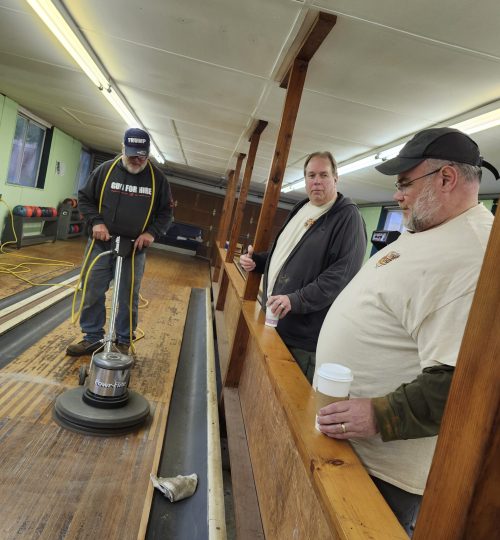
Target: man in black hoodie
317,252
127,197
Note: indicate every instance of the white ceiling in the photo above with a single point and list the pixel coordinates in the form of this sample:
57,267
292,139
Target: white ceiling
200,73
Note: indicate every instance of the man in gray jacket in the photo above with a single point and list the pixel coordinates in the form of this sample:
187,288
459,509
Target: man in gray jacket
317,252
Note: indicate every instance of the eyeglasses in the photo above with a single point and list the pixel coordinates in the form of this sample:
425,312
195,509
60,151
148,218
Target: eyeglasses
402,186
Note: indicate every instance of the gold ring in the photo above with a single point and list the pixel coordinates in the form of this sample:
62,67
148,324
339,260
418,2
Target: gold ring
342,425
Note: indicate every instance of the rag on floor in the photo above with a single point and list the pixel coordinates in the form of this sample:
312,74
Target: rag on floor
177,488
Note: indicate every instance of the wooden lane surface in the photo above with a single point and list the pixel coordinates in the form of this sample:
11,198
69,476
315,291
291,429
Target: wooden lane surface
182,269
70,251
58,484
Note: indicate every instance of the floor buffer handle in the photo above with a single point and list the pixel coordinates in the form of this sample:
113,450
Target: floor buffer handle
122,248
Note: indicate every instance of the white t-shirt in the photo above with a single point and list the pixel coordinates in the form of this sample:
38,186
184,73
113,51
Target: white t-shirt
290,237
404,311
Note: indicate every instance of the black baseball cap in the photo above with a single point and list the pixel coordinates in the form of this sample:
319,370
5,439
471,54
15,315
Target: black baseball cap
436,143
136,142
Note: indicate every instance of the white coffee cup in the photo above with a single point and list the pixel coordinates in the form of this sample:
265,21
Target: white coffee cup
333,382
271,318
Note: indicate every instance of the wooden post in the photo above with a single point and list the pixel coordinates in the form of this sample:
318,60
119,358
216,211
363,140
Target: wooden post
237,354
242,199
273,188
225,206
221,298
294,83
230,195
218,260
318,31
461,499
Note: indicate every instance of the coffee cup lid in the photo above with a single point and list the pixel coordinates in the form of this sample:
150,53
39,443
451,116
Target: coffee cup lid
335,372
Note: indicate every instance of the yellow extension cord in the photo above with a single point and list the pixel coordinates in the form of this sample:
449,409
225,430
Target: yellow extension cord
24,268
101,196
75,317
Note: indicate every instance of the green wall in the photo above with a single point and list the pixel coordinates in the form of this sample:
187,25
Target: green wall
371,215
66,150
488,204
63,149
7,128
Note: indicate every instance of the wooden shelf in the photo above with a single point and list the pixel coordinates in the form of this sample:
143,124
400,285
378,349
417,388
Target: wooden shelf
48,230
69,215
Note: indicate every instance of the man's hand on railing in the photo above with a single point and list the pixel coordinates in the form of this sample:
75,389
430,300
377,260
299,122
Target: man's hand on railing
246,261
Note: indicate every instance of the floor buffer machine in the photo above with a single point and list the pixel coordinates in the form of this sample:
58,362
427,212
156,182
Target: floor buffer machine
103,404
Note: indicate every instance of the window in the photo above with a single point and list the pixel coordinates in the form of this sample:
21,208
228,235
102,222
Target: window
83,169
26,152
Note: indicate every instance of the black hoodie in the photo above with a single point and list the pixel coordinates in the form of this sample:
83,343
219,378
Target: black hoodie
126,201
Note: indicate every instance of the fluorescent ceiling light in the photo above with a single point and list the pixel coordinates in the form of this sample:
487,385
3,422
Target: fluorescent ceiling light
299,184
58,25
49,14
390,152
156,153
131,120
473,125
479,123
351,167
120,107
360,164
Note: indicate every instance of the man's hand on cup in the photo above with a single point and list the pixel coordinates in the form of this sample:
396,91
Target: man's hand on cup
100,232
348,419
246,261
279,304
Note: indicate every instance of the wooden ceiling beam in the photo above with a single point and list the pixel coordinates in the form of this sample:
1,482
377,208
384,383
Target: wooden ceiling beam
277,172
258,129
295,80
317,33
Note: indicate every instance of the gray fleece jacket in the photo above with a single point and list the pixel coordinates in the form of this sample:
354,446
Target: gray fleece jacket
323,262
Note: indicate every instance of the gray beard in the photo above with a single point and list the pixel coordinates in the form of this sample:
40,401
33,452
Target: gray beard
134,169
424,211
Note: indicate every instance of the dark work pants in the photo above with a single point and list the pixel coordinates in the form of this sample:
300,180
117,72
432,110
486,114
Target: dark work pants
404,505
306,361
93,317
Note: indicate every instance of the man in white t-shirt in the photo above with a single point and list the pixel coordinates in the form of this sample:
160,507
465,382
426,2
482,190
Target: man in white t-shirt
317,252
399,323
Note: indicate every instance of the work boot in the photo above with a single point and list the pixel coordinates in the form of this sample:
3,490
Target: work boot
122,347
83,348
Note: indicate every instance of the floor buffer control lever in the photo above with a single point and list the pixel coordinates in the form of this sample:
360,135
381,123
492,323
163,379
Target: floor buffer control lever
122,246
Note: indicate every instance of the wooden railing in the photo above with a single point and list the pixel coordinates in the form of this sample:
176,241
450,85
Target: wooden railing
307,485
